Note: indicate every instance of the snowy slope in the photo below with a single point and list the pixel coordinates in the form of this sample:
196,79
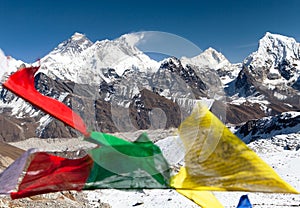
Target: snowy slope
8,65
3,64
286,164
62,62
212,59
269,127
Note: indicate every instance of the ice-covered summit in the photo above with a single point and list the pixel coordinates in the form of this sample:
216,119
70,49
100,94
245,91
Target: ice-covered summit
209,58
78,59
62,61
120,54
272,74
277,59
279,46
274,66
212,59
73,46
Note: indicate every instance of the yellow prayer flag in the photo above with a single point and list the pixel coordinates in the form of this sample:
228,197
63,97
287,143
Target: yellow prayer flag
205,199
216,159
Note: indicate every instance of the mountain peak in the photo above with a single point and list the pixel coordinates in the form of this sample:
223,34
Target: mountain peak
214,54
210,58
273,36
77,36
275,48
211,50
275,65
277,43
171,60
73,46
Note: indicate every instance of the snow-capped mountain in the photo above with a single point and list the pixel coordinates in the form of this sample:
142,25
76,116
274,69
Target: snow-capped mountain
275,66
73,46
112,85
120,54
270,76
212,59
115,87
81,61
63,61
276,62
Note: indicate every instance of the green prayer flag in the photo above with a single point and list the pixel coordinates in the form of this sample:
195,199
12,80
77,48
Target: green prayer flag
138,164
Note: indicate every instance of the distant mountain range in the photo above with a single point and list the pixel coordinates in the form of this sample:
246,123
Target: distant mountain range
115,87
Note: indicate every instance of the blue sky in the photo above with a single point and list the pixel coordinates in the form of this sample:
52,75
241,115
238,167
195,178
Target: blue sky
30,29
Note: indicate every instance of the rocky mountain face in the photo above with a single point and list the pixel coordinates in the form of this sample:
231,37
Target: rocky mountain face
270,74
284,123
115,87
281,131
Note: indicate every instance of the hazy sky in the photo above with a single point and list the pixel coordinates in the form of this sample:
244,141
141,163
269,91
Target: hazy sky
32,28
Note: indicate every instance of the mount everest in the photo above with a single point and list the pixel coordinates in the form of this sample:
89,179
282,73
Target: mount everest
114,86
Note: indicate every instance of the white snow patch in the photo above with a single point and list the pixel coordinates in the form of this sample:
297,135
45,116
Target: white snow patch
280,96
143,199
238,101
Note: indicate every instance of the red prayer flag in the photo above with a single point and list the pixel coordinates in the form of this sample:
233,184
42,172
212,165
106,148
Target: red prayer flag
48,173
22,84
